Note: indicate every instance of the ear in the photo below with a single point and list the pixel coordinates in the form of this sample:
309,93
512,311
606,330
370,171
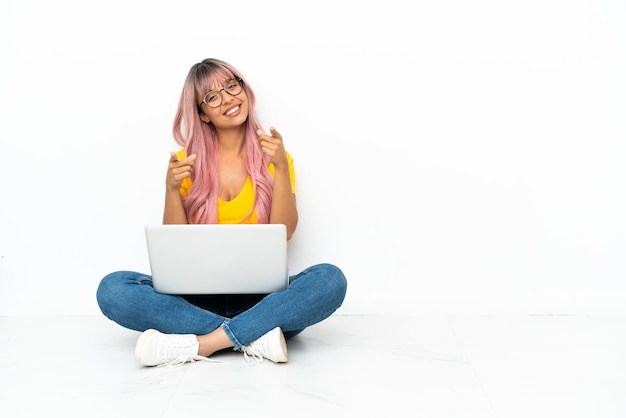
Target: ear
204,118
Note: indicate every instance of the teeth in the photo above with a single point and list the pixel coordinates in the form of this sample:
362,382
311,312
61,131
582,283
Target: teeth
233,110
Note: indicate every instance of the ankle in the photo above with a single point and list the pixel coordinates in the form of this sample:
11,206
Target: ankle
213,342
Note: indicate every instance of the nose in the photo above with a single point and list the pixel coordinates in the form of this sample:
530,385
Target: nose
225,97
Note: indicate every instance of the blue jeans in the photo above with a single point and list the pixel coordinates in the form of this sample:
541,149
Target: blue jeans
129,299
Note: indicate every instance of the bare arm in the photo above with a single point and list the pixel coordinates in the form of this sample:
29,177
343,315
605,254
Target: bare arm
174,211
283,209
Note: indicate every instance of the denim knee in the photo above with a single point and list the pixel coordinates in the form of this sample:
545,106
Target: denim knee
111,289
104,291
335,282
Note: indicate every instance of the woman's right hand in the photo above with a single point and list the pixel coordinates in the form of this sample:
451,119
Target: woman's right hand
178,170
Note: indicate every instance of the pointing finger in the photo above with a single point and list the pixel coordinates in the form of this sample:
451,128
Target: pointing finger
191,160
274,132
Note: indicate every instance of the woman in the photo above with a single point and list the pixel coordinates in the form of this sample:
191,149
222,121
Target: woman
228,171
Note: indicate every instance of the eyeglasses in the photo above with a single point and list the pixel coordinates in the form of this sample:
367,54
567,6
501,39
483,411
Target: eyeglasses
214,97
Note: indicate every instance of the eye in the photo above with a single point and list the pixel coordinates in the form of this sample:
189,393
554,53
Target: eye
212,97
231,85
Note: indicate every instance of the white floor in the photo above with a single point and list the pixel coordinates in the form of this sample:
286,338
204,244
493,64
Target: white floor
347,366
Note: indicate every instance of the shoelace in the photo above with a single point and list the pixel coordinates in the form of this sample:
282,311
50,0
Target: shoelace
252,351
179,354
180,360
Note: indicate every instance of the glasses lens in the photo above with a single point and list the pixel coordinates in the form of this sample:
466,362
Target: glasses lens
214,98
232,87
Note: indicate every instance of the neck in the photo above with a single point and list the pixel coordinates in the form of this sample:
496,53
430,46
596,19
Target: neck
231,140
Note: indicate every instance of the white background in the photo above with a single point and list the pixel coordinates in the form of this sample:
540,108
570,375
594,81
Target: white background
452,156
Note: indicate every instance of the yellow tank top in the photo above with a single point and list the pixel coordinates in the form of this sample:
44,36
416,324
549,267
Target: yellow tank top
234,211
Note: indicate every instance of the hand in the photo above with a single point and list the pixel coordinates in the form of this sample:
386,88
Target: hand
272,145
178,170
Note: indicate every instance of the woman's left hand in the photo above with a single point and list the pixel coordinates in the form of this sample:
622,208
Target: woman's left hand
272,145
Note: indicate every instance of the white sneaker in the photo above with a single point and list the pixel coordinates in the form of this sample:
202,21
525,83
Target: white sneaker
271,346
157,349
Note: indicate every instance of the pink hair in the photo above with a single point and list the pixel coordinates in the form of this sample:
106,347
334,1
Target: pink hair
201,139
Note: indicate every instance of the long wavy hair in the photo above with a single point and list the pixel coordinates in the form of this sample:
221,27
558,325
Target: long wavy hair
200,138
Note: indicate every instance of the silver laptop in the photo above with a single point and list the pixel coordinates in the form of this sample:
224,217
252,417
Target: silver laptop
218,258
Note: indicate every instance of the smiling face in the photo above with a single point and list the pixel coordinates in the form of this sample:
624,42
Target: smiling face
225,105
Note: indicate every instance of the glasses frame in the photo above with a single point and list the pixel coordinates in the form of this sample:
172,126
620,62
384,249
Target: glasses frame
239,81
